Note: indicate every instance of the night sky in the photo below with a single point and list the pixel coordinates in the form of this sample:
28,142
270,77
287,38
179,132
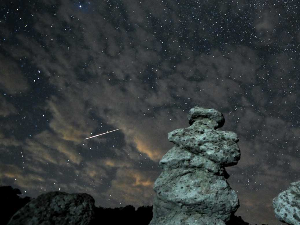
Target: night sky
74,69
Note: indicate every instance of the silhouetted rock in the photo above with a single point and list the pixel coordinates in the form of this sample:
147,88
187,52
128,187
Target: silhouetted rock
124,215
57,208
287,205
144,214
236,220
10,202
192,189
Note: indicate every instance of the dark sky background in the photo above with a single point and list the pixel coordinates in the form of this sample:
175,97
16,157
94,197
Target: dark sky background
73,69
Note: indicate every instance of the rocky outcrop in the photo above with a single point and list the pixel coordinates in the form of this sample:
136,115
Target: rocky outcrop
56,208
192,188
287,205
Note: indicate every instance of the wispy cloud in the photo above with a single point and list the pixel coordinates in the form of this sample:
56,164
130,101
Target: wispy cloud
132,187
12,79
21,179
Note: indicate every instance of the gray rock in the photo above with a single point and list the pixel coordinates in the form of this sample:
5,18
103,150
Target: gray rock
192,188
287,205
183,218
57,208
218,146
195,190
205,115
180,158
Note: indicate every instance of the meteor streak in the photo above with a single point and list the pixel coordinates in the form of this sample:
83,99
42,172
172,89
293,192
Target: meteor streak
102,133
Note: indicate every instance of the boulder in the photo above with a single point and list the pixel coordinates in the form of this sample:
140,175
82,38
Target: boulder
287,205
57,208
192,188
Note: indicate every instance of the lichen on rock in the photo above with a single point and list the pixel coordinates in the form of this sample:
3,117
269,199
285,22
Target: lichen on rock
192,188
287,205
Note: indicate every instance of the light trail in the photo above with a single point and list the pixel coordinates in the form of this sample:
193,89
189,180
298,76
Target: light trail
102,134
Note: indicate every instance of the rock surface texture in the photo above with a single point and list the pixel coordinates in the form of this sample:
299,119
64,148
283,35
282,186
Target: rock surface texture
57,208
287,205
192,188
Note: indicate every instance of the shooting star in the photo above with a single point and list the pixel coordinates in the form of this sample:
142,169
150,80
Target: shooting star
102,133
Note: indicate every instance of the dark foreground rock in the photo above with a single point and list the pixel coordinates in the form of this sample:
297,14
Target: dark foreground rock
57,208
124,215
10,202
121,215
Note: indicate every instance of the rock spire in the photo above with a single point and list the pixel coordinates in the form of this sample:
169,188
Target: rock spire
192,188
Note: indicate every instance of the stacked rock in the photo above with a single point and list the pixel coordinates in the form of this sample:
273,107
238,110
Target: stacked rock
192,189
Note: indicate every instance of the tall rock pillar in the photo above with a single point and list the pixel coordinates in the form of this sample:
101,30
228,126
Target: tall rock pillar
192,188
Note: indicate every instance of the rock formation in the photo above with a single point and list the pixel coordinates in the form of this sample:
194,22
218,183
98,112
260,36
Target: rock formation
192,188
287,205
56,208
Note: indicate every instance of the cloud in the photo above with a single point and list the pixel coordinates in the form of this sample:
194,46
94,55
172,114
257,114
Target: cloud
293,163
257,188
70,118
24,180
12,79
266,21
131,187
47,147
94,170
6,108
255,204
8,141
116,163
150,151
34,167
39,152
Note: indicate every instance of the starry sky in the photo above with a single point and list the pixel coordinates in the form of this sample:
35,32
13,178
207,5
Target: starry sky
72,69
